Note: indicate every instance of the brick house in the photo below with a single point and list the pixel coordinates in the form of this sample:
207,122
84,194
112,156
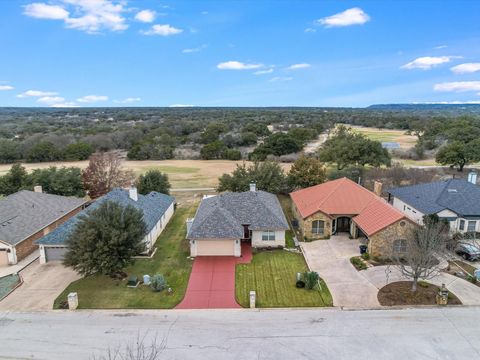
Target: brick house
27,216
343,206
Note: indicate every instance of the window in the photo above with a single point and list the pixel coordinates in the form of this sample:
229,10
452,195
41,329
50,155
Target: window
268,235
471,226
318,227
400,246
461,226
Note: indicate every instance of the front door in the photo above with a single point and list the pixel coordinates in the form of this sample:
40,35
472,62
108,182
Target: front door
3,257
343,224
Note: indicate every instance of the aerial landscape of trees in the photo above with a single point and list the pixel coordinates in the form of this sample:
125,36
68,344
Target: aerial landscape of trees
446,133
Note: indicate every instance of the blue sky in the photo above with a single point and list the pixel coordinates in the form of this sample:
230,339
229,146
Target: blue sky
238,53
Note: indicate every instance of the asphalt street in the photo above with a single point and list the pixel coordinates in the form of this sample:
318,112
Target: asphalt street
427,333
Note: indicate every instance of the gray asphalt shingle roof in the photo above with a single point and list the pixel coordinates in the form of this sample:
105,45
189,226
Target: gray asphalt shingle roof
152,205
222,216
24,213
457,195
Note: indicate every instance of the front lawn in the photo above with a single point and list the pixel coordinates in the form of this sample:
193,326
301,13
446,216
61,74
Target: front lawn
103,292
272,275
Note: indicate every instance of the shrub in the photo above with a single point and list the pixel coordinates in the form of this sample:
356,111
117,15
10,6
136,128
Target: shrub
366,256
311,279
358,263
158,283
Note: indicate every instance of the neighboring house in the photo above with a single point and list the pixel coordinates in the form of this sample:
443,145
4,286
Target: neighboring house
343,206
26,216
157,210
223,221
456,201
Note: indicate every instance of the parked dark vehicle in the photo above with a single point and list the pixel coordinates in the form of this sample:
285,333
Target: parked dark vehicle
468,251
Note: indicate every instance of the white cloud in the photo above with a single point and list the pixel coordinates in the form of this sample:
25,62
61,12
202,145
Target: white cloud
262,72
458,86
466,68
353,16
427,62
36,93
310,30
92,98
237,65
180,105
280,78
204,13
45,11
128,100
162,30
194,50
49,100
145,16
6,87
298,66
440,47
91,16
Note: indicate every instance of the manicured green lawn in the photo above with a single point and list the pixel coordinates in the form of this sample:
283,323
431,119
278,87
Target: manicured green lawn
272,275
102,292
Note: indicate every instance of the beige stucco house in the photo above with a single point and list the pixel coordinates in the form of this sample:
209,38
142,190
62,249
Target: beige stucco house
223,222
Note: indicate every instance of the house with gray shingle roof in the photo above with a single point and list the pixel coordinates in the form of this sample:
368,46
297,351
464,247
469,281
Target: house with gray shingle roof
223,221
157,211
26,216
455,200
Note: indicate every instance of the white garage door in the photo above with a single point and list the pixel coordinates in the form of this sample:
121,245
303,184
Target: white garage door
215,247
3,257
55,253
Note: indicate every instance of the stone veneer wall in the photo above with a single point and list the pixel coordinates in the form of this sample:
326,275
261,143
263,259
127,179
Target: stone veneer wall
305,225
381,243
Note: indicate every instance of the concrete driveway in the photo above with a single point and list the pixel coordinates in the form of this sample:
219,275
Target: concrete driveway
212,281
41,286
331,259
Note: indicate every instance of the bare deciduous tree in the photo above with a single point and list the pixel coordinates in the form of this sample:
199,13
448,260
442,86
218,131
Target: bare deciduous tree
137,350
425,246
104,173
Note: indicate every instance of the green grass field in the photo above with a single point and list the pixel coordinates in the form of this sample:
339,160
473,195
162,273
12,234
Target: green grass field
170,260
272,275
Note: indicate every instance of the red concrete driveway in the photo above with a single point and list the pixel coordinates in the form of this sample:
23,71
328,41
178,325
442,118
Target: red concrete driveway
212,281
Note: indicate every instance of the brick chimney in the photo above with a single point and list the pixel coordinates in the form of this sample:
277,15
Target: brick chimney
38,189
377,188
253,187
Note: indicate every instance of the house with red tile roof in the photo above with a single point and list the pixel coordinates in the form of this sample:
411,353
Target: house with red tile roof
343,206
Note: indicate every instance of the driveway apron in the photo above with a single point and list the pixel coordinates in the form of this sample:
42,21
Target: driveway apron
212,282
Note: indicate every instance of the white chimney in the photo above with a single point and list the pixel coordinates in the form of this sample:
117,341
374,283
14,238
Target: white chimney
132,192
253,187
38,189
472,177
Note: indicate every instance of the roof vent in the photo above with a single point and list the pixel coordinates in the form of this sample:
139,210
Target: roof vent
452,190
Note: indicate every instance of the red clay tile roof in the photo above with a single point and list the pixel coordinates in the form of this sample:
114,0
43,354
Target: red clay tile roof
345,197
377,216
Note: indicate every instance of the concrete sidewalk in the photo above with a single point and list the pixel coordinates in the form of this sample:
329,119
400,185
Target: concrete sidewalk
15,269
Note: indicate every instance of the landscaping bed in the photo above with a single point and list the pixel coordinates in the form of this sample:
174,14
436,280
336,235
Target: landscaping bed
399,293
358,263
272,274
170,260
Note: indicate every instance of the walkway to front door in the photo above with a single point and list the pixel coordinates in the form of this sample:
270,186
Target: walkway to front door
212,281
